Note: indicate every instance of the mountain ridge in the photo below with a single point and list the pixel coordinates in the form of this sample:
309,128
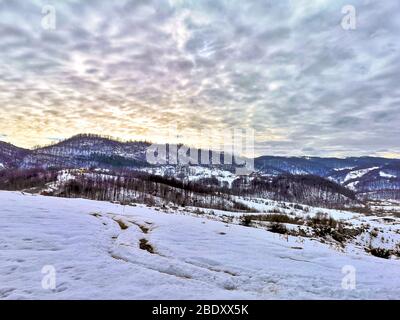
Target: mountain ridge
367,175
114,140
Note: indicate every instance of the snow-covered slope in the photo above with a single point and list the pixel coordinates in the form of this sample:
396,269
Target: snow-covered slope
194,173
95,250
11,156
377,178
358,173
86,151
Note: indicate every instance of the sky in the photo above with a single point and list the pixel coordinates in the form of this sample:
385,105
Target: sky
135,69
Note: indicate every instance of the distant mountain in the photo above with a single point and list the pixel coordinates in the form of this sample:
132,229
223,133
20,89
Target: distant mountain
84,151
11,156
323,167
306,189
370,176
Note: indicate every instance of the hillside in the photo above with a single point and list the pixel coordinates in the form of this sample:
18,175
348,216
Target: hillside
87,151
110,251
11,156
367,177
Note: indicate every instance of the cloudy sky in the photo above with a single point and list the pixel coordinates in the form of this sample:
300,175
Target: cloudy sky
135,68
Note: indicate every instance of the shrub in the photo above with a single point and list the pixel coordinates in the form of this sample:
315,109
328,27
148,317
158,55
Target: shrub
275,210
298,207
374,233
245,221
237,206
277,227
280,218
323,219
149,201
381,253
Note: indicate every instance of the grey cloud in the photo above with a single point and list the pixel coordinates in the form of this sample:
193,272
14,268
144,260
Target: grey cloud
285,68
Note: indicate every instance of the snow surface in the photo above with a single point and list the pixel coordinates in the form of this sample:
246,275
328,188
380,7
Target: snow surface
343,168
358,173
194,173
94,247
353,185
386,175
270,206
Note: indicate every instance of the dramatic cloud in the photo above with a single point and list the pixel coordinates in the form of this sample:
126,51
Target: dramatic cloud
133,69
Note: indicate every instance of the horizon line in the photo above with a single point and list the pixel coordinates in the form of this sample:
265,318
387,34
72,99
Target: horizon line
121,140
